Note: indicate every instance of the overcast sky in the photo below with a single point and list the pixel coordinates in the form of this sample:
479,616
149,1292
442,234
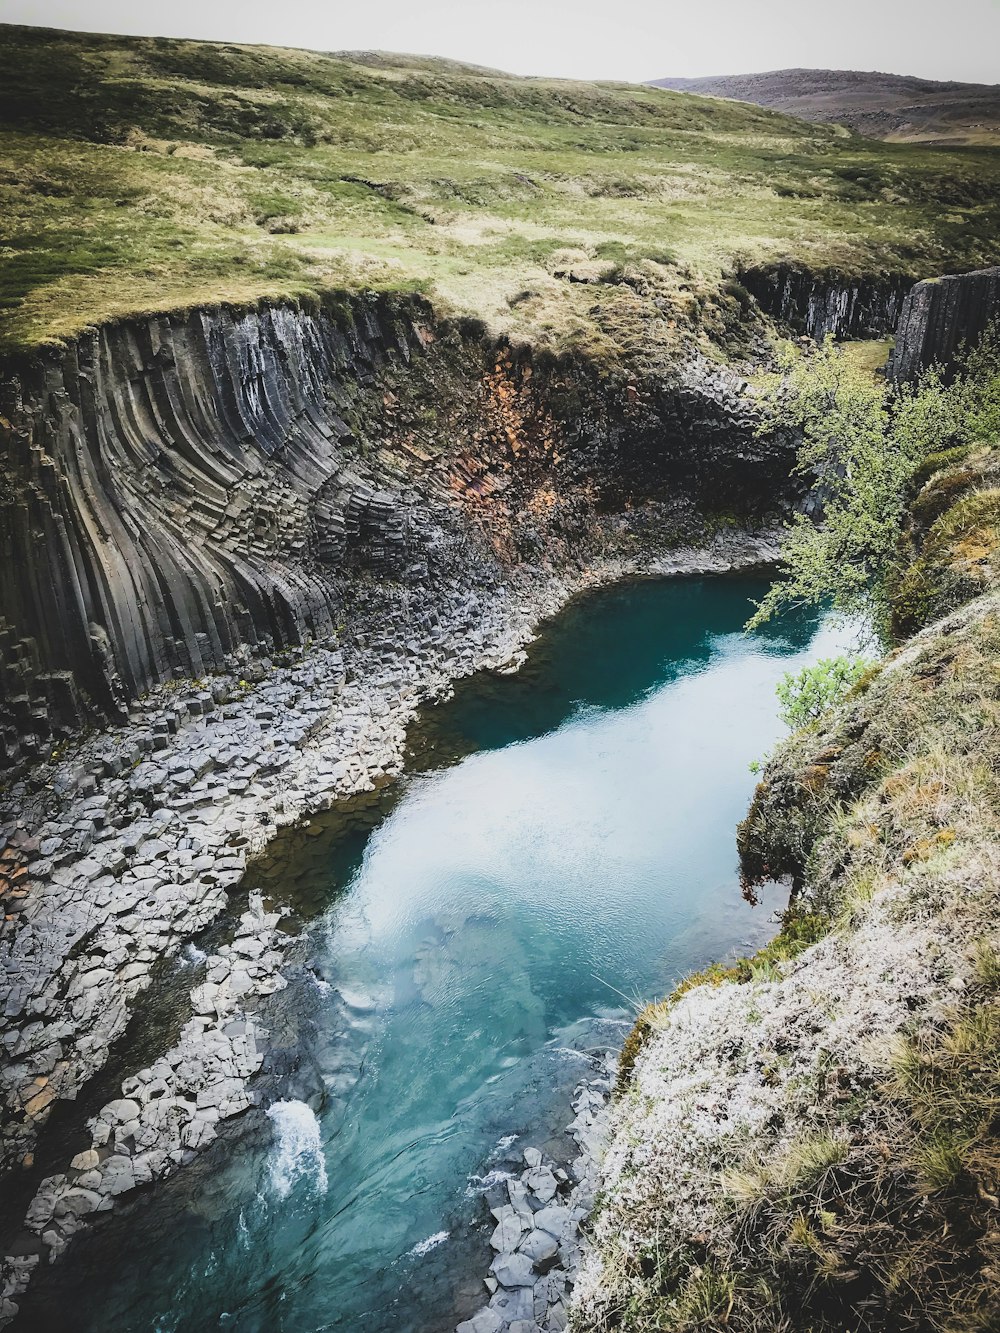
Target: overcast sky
610,39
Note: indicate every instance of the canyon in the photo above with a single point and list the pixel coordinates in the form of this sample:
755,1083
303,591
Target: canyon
324,552
251,544
294,453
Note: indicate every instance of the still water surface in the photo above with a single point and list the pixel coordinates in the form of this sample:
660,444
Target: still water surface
469,942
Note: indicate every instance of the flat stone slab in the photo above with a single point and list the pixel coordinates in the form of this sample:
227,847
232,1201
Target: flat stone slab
486,1321
509,1228
513,1270
539,1246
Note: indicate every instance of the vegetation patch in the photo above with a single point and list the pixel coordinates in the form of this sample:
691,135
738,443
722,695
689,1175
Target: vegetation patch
148,174
867,448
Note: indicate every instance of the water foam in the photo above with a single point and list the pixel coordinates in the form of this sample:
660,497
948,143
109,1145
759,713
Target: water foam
480,1184
425,1246
297,1154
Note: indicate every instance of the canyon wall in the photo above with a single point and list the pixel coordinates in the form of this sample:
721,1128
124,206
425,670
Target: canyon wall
829,302
942,315
161,480
180,486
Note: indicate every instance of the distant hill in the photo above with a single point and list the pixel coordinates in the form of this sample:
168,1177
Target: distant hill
881,106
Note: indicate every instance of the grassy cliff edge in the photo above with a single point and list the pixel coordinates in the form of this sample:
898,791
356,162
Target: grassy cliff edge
146,175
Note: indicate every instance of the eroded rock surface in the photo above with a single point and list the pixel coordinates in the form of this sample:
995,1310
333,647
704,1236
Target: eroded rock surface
940,317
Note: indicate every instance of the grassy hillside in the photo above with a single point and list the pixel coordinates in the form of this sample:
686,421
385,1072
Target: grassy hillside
883,106
150,173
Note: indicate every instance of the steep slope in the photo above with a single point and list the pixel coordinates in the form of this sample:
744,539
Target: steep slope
939,318
882,106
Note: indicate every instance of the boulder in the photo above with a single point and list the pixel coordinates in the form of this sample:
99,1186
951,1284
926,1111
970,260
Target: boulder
513,1270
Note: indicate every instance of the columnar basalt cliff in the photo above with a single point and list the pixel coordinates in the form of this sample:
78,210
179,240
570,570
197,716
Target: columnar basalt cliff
178,486
161,480
941,316
829,302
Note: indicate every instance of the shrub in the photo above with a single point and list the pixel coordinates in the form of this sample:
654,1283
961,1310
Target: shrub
805,696
865,445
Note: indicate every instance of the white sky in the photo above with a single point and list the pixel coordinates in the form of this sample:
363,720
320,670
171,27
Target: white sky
610,39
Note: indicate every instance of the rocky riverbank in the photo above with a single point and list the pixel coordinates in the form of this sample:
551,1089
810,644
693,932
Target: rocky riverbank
539,1214
116,856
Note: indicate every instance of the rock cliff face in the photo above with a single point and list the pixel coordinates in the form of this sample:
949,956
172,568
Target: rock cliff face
939,316
177,487
162,481
819,304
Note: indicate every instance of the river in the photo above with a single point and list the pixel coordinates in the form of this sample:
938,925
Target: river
563,846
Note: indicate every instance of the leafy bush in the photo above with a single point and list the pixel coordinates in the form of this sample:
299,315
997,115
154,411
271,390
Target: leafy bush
804,696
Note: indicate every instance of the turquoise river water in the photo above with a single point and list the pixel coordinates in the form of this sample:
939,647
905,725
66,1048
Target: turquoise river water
564,844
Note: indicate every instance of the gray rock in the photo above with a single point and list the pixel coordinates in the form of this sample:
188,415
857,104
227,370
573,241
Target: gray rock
939,316
513,1270
518,1196
123,1110
78,1202
507,1232
118,1176
549,1290
486,1321
540,1247
513,1303
554,1219
542,1184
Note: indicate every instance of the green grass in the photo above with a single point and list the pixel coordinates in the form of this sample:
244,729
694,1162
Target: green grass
141,174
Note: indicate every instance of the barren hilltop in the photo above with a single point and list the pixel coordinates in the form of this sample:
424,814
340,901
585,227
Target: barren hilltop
881,106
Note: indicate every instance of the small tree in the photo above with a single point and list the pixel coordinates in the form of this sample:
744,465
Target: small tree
862,441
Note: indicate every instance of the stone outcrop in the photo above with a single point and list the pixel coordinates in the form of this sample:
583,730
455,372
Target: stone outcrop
830,302
941,316
178,487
